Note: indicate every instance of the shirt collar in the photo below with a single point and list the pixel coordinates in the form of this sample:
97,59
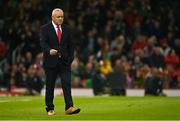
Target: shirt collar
55,26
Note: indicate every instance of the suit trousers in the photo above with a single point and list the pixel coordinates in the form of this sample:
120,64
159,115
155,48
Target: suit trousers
64,72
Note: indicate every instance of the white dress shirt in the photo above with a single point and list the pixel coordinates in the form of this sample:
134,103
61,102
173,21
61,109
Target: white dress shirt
55,27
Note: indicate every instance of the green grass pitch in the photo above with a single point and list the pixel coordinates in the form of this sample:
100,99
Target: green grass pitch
92,108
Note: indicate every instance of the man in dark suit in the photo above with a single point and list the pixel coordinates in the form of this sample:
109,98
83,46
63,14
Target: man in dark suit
56,40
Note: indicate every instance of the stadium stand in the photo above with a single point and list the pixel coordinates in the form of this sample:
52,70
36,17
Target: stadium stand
142,34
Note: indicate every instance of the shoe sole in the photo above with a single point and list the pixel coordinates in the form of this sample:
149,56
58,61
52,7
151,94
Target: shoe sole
51,114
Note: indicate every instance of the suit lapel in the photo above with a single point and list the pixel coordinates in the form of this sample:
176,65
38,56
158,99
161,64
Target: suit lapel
63,33
53,34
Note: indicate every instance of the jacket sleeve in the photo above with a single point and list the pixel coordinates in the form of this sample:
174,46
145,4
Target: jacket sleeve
44,40
71,46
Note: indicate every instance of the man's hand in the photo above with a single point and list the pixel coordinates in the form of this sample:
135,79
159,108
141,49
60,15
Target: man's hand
53,52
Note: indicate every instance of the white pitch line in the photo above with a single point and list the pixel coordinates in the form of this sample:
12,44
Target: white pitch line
94,120
12,100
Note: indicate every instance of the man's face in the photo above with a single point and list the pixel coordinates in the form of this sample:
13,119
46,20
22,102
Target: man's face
58,17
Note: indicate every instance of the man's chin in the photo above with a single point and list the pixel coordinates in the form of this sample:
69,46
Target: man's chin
60,23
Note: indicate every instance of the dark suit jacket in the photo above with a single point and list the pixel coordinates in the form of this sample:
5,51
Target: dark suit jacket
49,40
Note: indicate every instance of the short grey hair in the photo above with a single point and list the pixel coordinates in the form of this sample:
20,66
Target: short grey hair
56,9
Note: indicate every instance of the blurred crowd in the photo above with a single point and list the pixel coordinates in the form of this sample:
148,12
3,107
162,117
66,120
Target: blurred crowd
119,44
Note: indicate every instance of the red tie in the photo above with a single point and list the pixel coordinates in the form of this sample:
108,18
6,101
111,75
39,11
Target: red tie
59,34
